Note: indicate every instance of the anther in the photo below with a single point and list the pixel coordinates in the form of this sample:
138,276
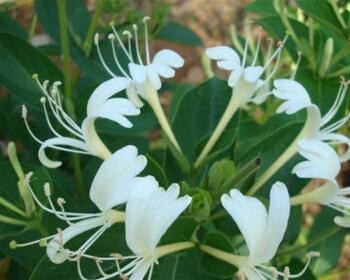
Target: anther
35,76
24,112
145,19
47,189
111,23
96,39
134,26
43,100
13,244
111,36
127,33
43,243
313,254
286,273
60,201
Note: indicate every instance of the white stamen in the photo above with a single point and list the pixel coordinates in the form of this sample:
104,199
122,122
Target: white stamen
120,41
116,60
145,19
47,189
101,57
134,26
129,36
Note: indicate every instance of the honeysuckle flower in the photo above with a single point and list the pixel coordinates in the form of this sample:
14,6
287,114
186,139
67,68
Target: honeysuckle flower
150,210
323,163
329,195
262,230
316,127
246,81
112,185
101,104
322,160
144,75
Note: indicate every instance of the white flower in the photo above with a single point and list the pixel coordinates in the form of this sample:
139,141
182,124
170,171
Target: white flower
100,105
143,76
112,185
322,161
329,195
149,213
150,210
246,80
262,231
316,127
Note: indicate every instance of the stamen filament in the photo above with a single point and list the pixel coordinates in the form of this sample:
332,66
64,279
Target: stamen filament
145,19
110,72
137,45
120,41
111,37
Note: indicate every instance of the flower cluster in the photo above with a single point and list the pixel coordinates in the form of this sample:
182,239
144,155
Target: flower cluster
150,209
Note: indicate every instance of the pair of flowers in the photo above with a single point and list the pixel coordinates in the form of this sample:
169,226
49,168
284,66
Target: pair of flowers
315,145
150,210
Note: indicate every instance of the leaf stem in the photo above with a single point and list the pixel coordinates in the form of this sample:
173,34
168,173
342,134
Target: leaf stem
88,42
12,221
32,28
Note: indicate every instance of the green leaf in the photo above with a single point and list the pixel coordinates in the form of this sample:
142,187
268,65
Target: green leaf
213,266
324,14
268,142
19,61
154,169
261,7
177,33
331,247
9,25
197,115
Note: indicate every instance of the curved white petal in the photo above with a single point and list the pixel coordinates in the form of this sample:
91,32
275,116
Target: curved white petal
163,70
55,248
277,221
105,91
116,178
262,93
61,142
227,58
137,72
322,161
169,58
336,138
250,216
251,274
294,93
150,211
115,109
141,271
235,75
342,221
153,77
131,93
252,73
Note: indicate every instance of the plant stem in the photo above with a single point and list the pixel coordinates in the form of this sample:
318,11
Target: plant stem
309,130
324,235
222,255
92,27
68,85
78,176
153,100
32,28
172,248
66,56
12,207
12,221
225,119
